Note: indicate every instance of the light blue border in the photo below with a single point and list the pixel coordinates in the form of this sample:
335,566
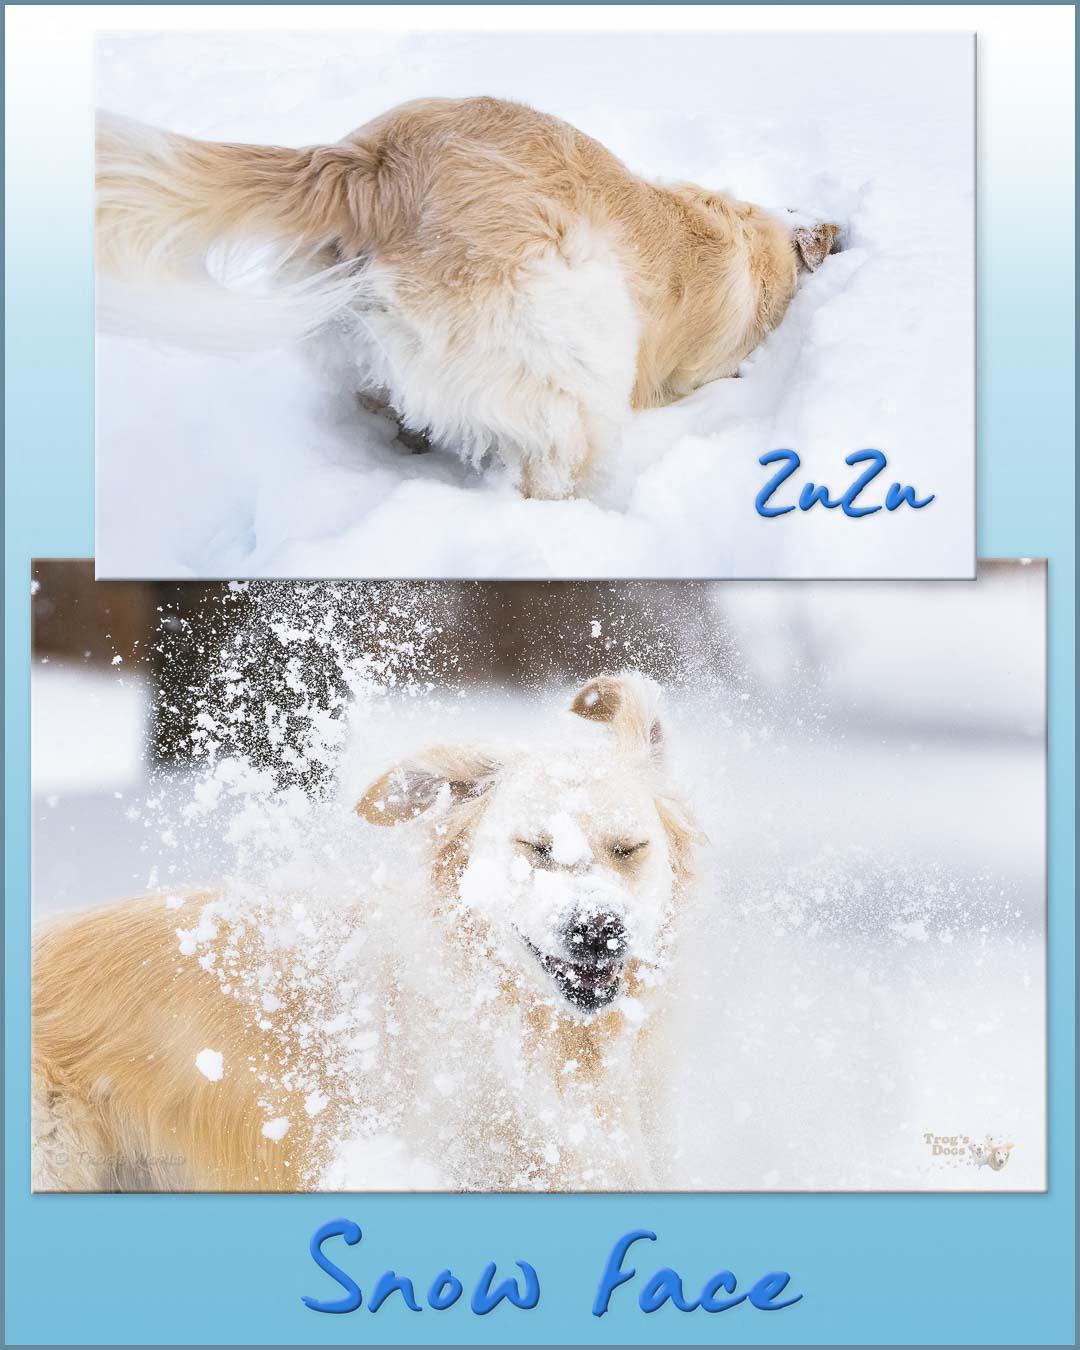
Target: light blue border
896,1269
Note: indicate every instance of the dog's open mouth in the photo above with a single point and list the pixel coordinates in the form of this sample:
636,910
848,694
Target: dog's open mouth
588,985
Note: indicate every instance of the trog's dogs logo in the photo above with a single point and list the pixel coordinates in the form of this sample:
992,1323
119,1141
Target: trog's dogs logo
960,1150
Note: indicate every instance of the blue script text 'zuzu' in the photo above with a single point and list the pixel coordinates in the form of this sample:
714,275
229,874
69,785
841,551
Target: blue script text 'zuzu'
813,494
665,1286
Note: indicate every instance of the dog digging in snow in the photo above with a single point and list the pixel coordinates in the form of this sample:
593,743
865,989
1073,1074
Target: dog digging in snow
503,1016
494,279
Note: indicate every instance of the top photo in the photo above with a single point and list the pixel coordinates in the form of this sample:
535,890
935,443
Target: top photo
535,305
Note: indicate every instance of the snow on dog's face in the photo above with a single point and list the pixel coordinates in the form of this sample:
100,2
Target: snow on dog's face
562,865
571,859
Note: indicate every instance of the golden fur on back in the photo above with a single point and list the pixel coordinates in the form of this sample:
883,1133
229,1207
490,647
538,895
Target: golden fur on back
510,247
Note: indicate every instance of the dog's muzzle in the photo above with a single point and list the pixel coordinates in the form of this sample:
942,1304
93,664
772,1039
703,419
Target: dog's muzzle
589,974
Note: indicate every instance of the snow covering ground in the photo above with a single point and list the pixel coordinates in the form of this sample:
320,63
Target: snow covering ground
255,465
862,963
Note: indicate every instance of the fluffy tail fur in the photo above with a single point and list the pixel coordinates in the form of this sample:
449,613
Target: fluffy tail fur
229,245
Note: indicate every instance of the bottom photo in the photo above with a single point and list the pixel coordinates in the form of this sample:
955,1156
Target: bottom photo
567,886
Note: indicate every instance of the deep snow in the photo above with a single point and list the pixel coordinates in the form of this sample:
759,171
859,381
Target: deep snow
246,465
863,960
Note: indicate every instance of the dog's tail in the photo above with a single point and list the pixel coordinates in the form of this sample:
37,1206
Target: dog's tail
226,244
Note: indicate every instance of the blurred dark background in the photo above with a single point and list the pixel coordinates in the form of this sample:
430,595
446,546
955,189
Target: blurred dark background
173,634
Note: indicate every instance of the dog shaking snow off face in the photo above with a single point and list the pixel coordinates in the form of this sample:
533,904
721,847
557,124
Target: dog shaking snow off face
495,277
516,989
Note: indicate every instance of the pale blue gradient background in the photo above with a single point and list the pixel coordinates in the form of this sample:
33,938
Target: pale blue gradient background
898,1269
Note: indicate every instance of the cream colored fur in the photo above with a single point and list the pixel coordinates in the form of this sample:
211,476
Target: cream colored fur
497,277
119,1014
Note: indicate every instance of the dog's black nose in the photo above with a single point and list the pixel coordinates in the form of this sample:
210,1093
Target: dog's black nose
597,938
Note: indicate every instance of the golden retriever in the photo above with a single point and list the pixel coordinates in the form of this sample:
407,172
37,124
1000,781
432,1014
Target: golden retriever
506,1021
495,277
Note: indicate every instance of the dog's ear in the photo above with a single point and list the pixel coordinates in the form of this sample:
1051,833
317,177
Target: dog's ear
630,704
442,775
814,245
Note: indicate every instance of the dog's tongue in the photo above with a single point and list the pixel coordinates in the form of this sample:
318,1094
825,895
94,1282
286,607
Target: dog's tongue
592,977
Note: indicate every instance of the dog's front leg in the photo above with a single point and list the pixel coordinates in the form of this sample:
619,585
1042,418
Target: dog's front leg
546,478
556,454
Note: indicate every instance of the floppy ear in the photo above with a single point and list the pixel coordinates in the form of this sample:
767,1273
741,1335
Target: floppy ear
441,775
630,703
814,245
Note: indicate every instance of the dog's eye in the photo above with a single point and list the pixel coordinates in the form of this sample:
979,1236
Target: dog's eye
623,851
540,848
